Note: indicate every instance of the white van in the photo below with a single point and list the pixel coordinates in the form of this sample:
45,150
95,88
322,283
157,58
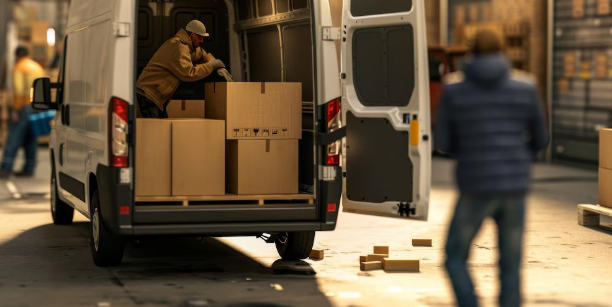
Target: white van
366,122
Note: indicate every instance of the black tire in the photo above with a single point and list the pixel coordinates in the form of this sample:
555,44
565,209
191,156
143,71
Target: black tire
106,246
61,212
296,245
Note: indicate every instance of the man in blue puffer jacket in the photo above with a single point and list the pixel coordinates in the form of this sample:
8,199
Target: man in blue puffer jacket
494,125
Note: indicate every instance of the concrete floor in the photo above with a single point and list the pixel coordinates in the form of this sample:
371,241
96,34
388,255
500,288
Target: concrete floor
46,265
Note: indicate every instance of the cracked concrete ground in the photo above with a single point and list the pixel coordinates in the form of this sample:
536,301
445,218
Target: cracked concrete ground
46,265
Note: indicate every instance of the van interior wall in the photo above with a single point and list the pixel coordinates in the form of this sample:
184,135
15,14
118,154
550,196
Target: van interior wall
282,52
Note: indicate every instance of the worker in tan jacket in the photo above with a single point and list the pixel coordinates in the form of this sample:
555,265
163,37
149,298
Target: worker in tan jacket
175,61
20,130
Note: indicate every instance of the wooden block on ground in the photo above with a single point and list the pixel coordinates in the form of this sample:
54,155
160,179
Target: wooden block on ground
372,265
363,259
317,254
398,265
421,242
376,257
381,250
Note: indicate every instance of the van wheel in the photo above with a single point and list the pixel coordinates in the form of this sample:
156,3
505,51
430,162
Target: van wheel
106,247
61,212
295,245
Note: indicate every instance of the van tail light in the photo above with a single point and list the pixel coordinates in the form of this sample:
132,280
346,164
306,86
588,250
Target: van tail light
333,122
119,128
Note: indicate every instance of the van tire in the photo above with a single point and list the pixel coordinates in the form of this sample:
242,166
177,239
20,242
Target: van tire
61,212
296,246
106,247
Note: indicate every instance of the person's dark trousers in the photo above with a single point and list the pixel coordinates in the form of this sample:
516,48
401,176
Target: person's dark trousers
509,214
20,135
149,109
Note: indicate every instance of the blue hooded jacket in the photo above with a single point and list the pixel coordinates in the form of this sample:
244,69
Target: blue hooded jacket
494,126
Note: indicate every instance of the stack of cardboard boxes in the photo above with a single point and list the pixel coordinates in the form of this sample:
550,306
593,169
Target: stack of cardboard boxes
605,168
243,139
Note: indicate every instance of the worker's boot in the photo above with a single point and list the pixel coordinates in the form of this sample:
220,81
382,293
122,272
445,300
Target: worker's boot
4,175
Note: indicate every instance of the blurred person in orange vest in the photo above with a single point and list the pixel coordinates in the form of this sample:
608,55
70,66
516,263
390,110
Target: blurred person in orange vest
20,131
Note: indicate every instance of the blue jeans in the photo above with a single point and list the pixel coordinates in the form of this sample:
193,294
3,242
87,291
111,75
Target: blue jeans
20,135
509,215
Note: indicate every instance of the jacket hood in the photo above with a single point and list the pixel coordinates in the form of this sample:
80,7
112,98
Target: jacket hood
487,70
183,36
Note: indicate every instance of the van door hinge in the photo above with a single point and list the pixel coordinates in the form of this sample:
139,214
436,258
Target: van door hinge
121,29
331,34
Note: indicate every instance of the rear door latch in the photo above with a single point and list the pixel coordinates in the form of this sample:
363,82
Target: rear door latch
121,29
331,34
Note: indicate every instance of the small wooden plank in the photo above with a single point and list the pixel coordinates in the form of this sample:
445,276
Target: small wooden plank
261,202
422,242
363,259
381,250
372,265
399,265
185,203
317,254
375,257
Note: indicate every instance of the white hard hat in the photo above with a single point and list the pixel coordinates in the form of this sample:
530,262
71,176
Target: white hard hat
197,27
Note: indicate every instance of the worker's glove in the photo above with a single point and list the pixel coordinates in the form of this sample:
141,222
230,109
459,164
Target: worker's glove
216,64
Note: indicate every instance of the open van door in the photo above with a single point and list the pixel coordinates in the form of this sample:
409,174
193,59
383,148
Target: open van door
385,107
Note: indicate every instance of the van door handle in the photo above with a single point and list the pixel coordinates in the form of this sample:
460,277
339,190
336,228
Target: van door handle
66,115
61,154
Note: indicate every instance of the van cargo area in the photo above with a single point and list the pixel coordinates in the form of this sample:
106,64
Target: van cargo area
269,181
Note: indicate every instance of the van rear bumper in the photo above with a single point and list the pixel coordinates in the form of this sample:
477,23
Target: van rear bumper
224,229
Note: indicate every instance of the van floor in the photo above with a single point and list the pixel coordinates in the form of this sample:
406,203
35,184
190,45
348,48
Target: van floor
565,264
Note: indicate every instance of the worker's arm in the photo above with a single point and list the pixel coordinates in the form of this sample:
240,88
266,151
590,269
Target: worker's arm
198,55
183,68
443,138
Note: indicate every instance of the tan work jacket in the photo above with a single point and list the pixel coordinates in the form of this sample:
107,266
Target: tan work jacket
24,74
171,64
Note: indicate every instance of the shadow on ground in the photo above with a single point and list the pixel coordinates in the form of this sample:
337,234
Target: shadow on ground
56,262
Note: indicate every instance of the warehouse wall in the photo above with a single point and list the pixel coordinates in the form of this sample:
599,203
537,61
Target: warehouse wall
534,12
432,15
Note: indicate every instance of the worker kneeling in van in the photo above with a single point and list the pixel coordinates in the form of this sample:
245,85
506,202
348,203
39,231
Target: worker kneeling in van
175,61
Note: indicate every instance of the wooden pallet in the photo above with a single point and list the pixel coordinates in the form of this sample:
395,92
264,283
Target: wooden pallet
228,199
588,215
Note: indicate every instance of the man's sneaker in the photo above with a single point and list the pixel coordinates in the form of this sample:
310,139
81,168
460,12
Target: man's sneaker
24,174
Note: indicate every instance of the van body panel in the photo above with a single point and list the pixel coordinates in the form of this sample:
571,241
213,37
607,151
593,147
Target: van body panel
326,55
386,99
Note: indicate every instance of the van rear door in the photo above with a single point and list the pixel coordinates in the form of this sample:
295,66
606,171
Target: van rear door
385,107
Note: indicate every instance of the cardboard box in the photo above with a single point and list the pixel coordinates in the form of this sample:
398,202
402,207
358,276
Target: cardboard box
372,265
153,157
198,157
421,242
186,109
260,167
381,250
317,254
256,110
376,257
401,265
605,148
38,32
605,187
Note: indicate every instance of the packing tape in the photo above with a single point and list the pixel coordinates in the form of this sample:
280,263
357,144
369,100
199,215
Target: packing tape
263,87
183,105
267,145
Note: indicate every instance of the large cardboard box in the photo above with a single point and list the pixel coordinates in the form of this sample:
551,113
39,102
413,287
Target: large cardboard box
186,109
605,187
198,157
153,157
257,111
605,148
260,167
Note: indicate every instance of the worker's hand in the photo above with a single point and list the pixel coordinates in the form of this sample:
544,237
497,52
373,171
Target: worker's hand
14,116
216,64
